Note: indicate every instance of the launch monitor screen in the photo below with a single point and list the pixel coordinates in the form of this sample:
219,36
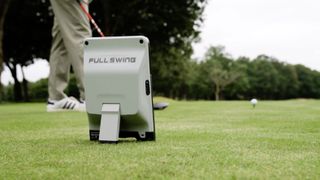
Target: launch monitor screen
117,71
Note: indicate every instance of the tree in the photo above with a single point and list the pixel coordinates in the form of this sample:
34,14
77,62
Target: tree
309,82
222,78
240,88
4,4
263,77
26,36
189,88
288,78
223,71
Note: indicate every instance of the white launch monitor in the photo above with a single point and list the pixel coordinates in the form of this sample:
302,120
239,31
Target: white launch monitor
118,88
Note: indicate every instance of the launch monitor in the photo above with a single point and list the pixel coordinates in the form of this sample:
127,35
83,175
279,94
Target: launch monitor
118,88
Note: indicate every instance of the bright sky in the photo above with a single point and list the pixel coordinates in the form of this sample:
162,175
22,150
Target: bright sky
286,29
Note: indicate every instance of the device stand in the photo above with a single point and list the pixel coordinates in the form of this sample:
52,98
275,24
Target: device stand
110,123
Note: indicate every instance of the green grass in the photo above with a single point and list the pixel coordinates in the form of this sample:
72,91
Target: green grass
195,140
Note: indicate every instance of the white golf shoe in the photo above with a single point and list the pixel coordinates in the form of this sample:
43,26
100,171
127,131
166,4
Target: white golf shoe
66,104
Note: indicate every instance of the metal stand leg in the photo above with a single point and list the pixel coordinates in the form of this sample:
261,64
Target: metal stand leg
110,122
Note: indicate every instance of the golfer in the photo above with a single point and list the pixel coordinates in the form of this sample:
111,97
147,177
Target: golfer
70,28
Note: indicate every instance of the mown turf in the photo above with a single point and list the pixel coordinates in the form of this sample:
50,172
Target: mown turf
195,140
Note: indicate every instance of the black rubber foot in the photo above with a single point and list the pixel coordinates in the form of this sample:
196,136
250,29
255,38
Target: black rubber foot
149,136
109,142
93,135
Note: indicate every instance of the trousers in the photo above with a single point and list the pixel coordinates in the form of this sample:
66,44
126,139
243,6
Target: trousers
70,28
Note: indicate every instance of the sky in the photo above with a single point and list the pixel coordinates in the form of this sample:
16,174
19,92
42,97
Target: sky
288,30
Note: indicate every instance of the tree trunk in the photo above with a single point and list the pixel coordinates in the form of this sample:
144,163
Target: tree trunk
25,87
4,4
17,90
217,92
17,84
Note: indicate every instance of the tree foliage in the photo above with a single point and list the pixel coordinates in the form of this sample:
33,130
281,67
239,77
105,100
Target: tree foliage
26,37
4,5
222,71
263,77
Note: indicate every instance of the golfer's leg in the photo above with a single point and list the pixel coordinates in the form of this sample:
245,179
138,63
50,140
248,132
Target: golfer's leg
59,66
74,27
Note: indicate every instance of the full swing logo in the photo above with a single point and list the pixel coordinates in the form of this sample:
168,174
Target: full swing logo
112,60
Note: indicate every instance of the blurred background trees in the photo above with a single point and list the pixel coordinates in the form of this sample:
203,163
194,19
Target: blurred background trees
171,26
4,5
26,36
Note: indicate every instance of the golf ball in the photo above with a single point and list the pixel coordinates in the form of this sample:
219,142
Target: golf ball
254,101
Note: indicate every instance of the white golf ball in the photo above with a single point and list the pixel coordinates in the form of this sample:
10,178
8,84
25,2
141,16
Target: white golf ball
254,101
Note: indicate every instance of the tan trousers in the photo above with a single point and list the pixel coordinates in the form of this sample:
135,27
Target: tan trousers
71,27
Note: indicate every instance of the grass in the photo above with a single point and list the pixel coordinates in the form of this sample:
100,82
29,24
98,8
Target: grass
195,140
